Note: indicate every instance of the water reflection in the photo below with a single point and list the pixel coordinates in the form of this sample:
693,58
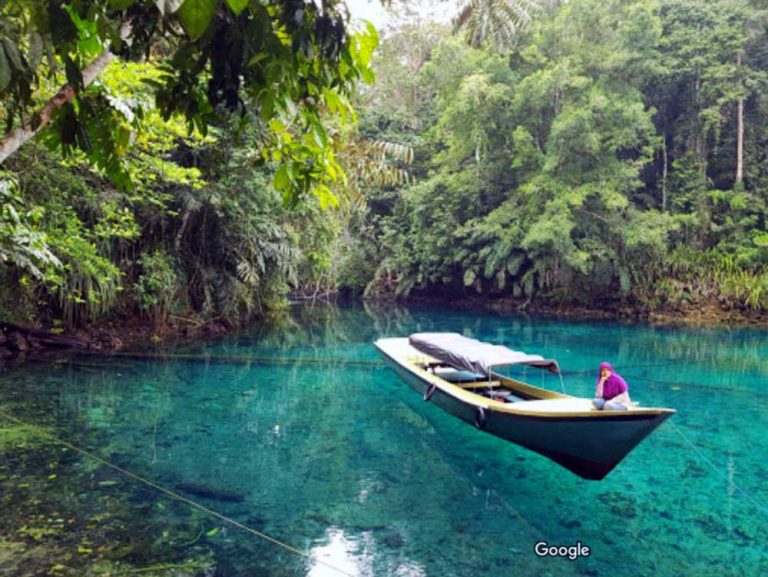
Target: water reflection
338,556
300,432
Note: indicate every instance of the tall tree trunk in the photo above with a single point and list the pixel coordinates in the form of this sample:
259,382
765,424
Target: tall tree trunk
14,139
664,169
739,131
700,137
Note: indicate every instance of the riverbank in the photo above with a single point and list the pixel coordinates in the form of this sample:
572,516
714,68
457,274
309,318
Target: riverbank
18,342
706,313
697,312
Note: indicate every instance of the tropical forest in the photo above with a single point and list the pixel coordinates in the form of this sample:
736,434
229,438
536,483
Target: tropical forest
210,210
605,155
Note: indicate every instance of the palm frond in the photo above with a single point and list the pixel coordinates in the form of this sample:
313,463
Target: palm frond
494,21
374,163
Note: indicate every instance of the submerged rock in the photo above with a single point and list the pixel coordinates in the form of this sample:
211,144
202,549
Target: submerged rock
570,524
211,493
619,504
393,540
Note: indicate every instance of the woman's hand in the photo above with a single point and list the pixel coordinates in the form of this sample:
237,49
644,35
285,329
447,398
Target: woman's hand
599,388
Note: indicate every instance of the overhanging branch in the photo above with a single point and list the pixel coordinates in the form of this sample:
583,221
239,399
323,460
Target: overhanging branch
14,139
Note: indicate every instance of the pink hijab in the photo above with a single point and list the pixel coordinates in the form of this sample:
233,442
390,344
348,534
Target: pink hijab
614,385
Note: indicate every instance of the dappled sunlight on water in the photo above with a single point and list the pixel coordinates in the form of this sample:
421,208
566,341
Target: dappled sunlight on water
337,555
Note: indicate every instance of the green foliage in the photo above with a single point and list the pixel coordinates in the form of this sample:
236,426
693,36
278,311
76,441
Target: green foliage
158,286
577,167
206,200
593,161
196,16
283,67
356,267
494,21
717,275
21,242
88,283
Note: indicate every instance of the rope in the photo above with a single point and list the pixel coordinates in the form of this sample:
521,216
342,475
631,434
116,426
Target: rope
172,494
235,359
706,459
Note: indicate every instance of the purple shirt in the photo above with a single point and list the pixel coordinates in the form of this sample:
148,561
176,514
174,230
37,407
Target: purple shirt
614,385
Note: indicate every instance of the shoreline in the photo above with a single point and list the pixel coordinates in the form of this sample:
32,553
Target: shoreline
706,313
18,342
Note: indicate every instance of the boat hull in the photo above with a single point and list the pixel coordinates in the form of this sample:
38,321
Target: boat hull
590,445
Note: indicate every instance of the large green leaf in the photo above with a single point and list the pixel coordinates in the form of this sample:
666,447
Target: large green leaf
196,15
88,39
237,6
282,179
14,57
5,70
36,49
367,43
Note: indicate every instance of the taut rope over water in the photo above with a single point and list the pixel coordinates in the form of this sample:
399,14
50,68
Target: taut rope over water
762,508
37,430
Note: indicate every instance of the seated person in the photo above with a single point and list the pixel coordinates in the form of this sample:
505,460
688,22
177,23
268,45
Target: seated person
612,392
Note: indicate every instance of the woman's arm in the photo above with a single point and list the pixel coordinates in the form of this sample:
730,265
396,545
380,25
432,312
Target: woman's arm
599,388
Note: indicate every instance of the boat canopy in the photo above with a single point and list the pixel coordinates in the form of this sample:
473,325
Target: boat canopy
470,354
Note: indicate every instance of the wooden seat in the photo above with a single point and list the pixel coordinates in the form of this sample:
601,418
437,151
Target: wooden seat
479,385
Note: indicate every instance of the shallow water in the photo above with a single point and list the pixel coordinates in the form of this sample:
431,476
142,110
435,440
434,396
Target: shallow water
299,432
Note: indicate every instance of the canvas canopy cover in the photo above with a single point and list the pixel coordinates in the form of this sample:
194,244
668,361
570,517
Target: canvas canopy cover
472,355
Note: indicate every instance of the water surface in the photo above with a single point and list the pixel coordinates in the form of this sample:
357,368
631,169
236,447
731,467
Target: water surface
298,431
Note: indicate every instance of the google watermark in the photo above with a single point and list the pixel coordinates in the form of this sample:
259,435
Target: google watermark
572,552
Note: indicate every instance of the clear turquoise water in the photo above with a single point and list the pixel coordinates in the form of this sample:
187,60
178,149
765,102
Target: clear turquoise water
305,436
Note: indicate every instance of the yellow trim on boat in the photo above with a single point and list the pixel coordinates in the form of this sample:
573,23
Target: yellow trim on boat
545,402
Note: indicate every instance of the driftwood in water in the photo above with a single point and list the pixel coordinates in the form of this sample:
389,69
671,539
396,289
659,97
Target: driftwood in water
20,339
212,493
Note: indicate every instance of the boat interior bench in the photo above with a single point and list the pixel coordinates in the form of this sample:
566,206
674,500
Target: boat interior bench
492,390
474,382
479,385
452,375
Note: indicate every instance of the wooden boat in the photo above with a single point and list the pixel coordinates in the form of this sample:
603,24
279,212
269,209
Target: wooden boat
457,374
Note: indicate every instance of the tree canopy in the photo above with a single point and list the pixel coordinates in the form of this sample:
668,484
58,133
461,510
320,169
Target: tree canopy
203,162
168,141
609,154
277,64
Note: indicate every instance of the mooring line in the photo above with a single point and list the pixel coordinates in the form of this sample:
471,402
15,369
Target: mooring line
235,359
706,459
173,494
